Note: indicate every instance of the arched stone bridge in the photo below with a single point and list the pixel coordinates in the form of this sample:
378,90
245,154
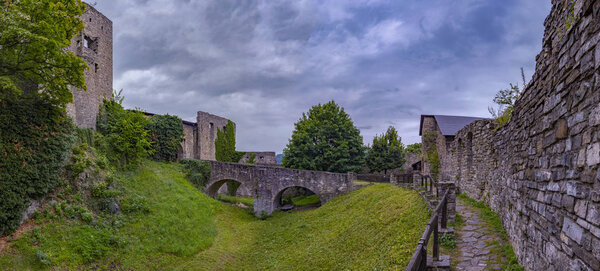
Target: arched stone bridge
267,183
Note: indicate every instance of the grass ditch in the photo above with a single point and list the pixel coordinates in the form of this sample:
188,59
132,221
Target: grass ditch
166,223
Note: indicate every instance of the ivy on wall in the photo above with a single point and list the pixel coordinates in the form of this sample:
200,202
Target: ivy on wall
431,154
166,134
225,145
35,138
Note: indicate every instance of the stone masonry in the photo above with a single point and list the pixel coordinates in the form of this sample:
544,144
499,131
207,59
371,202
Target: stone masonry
94,46
267,183
540,172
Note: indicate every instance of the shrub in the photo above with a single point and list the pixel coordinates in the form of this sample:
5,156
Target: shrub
35,138
196,171
126,135
166,133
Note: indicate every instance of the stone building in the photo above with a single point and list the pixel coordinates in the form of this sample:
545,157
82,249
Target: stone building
541,171
437,134
94,46
260,158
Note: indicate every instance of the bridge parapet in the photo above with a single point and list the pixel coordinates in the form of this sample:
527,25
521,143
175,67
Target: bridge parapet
267,183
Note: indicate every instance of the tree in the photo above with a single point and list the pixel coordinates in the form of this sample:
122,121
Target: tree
413,148
33,59
166,133
505,99
325,139
387,152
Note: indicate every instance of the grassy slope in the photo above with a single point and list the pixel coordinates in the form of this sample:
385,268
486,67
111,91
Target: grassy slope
376,227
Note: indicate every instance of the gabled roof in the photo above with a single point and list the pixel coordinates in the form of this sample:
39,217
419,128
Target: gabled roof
449,125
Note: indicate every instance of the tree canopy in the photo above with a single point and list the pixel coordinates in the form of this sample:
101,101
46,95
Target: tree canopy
387,152
33,59
325,139
413,148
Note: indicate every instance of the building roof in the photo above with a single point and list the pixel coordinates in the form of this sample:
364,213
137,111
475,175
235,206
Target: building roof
449,125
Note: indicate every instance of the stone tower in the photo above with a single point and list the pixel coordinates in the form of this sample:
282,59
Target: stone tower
95,46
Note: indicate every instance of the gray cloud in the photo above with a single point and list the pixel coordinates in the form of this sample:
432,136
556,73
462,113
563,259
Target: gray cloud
262,63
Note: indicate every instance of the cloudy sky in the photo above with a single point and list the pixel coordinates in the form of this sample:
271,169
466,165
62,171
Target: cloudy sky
261,63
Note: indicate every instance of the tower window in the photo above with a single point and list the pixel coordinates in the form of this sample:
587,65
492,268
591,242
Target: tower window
96,67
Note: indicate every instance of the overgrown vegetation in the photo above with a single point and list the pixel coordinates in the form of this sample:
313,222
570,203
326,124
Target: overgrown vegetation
325,139
387,152
505,99
126,132
198,172
34,146
33,61
166,134
504,252
165,223
413,148
432,155
225,144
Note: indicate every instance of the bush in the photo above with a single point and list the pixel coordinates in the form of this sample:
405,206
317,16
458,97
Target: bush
126,135
35,138
197,171
166,133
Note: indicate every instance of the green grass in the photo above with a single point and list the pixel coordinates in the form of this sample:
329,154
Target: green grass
359,182
248,201
177,214
179,228
505,256
306,200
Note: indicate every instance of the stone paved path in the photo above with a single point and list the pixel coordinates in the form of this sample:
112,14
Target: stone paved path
473,241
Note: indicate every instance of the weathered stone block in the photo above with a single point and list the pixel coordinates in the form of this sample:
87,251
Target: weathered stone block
568,202
561,129
595,114
593,154
593,213
572,230
581,208
577,189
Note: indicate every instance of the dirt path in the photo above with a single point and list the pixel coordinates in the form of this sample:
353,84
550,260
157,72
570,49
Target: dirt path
475,241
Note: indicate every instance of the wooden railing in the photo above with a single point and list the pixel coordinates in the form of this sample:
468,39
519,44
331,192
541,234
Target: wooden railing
419,258
428,183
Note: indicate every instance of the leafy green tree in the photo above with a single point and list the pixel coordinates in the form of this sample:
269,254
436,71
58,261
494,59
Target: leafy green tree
413,148
325,139
33,61
126,132
387,152
166,133
505,99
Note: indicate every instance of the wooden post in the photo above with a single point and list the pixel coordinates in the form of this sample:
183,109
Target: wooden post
436,244
424,261
445,212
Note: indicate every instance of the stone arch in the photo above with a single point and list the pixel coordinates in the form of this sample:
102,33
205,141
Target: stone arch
276,200
212,189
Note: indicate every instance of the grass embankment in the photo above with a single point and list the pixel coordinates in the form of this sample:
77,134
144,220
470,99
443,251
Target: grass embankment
248,201
376,227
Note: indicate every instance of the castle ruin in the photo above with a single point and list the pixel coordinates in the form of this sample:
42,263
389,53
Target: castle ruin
95,46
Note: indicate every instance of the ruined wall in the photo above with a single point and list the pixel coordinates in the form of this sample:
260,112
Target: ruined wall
540,171
261,158
208,125
188,145
432,135
94,45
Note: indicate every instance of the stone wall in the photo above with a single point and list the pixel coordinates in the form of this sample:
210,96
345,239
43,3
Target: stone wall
432,138
540,171
188,145
260,158
208,125
267,183
94,45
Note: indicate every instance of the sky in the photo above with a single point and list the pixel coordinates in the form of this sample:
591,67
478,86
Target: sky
262,63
